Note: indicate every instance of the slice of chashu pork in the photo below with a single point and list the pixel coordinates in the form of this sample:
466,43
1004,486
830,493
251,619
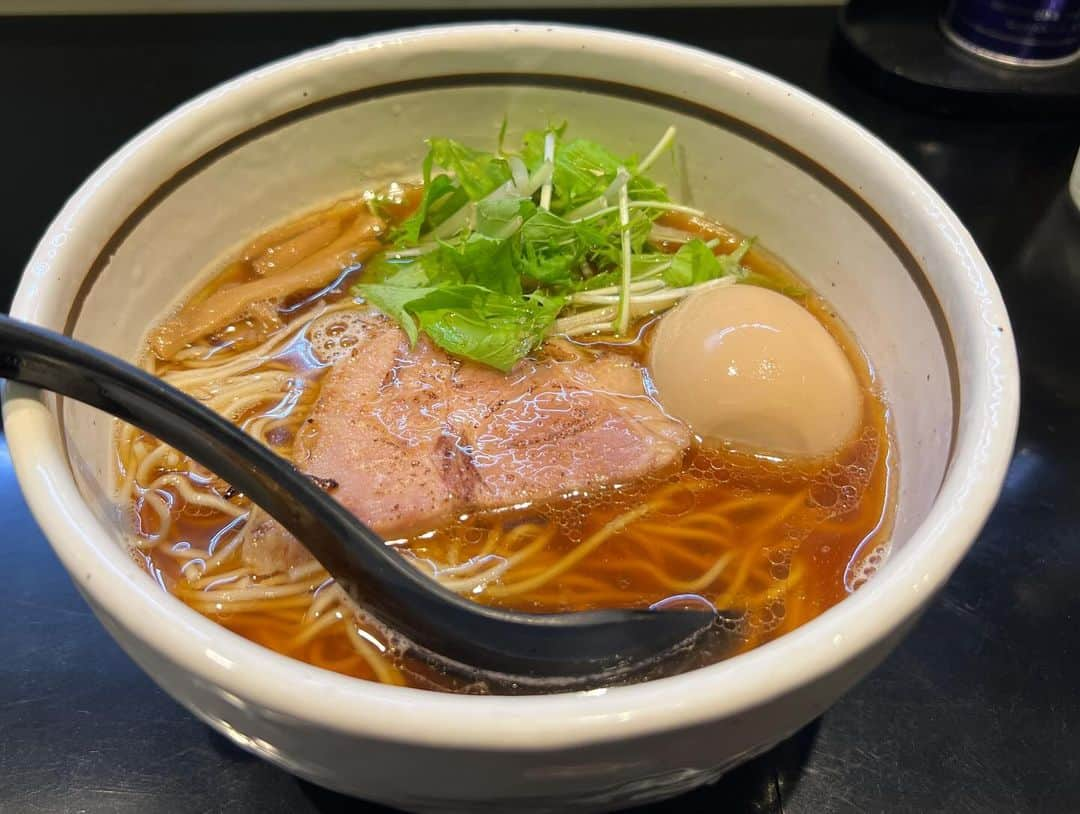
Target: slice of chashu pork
408,438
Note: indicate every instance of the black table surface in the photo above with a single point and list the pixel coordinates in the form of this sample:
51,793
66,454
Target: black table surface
978,710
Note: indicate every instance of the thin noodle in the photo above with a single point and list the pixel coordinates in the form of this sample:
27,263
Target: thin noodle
150,463
682,532
159,506
384,671
315,628
265,605
209,582
225,553
228,596
307,570
583,550
194,496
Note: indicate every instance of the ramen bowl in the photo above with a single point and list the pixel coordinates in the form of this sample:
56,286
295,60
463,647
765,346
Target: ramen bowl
845,211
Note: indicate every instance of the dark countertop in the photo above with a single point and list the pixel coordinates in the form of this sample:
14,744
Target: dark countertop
978,710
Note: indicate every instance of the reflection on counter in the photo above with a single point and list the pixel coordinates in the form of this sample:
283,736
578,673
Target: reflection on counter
1044,300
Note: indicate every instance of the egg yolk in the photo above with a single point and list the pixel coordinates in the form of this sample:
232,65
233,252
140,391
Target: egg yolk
746,366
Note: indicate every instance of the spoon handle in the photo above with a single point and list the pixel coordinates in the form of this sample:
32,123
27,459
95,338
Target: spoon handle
377,578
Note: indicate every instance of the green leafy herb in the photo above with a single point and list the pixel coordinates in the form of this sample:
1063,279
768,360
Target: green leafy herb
480,261
732,261
488,260
695,263
393,300
477,173
551,250
485,326
442,197
468,320
583,171
501,217
501,140
532,145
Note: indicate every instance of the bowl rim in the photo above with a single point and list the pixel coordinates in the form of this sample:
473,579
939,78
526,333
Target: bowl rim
286,687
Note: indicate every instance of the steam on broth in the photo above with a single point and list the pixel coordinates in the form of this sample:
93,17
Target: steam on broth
480,347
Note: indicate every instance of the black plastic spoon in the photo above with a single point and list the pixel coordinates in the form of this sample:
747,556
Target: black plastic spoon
568,645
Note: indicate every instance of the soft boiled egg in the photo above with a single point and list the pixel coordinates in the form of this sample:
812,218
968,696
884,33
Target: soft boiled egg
746,366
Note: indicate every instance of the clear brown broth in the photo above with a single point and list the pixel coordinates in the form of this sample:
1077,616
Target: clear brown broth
793,538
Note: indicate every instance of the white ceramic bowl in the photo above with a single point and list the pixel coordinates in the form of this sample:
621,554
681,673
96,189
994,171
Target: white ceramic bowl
843,209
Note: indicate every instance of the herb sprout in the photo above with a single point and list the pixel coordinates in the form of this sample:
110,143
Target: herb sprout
507,248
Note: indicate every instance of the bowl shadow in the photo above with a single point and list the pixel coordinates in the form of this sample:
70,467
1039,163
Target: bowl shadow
756,787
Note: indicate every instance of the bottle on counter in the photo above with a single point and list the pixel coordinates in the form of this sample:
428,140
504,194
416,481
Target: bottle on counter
1028,34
